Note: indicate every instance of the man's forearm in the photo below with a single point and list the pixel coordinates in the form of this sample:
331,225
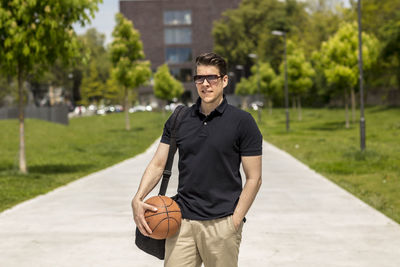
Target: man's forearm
247,197
153,172
150,179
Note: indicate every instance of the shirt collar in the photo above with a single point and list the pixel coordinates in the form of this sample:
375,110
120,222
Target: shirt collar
220,109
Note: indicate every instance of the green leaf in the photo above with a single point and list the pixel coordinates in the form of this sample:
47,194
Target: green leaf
26,50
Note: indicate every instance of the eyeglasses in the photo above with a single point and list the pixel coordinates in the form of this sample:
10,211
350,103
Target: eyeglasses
211,79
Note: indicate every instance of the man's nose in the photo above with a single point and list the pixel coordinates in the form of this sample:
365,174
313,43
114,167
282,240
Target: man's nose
205,82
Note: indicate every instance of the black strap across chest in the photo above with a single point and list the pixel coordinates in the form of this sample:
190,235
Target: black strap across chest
176,119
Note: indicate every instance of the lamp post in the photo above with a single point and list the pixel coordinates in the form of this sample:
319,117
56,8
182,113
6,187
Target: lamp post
281,33
71,78
232,85
258,85
360,66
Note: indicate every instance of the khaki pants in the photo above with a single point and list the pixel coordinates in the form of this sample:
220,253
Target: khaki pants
214,242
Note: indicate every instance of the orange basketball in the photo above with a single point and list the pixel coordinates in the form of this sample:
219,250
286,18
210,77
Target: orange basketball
166,221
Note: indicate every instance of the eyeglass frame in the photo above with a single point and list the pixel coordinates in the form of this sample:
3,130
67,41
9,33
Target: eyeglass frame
206,77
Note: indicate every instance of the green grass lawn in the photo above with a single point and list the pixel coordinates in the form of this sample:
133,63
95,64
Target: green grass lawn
57,154
322,142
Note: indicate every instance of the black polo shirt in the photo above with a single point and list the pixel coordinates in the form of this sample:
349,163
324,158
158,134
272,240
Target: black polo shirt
210,149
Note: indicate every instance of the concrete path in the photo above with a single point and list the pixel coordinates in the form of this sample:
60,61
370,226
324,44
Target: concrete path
298,219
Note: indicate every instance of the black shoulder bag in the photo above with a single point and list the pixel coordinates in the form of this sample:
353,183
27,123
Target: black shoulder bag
149,245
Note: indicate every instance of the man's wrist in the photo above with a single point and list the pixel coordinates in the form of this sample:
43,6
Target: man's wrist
237,218
136,200
138,197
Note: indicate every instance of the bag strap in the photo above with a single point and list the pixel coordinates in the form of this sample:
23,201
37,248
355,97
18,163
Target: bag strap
176,120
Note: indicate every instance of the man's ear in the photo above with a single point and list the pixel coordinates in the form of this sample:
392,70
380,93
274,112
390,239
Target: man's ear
225,80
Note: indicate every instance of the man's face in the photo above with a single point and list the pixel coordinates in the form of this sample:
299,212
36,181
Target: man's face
211,89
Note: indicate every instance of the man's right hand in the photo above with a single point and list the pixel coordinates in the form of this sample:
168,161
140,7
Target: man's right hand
139,208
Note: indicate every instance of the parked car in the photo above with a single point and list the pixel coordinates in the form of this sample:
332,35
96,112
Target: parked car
256,105
119,108
101,111
172,106
79,110
140,108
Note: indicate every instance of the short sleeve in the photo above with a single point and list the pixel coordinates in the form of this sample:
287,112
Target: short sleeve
165,138
250,138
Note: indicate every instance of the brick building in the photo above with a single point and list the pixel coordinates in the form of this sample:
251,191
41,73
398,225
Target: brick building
174,32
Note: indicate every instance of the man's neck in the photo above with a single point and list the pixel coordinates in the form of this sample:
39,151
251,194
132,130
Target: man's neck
207,108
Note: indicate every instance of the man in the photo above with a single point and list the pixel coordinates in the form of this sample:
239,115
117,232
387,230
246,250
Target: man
213,139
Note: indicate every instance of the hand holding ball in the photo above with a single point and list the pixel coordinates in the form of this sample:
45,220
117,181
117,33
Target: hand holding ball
164,222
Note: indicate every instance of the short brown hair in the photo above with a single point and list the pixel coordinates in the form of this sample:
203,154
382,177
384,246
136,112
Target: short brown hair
212,59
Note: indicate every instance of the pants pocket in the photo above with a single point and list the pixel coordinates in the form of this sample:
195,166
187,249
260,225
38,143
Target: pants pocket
232,225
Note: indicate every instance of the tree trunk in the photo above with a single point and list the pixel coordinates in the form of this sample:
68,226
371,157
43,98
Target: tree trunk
294,103
299,107
270,106
398,69
22,158
346,103
126,108
51,95
353,105
163,105
245,105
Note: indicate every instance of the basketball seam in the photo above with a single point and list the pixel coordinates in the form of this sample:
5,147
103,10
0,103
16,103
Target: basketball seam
172,202
167,214
177,223
159,213
171,218
158,224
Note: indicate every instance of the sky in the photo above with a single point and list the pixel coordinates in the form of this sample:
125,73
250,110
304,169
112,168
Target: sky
104,20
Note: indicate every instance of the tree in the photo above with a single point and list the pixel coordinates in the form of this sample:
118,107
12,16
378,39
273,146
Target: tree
56,75
268,84
247,29
112,93
95,91
166,87
339,57
375,15
322,22
300,74
381,18
92,88
126,55
93,41
391,44
36,33
6,89
246,86
97,68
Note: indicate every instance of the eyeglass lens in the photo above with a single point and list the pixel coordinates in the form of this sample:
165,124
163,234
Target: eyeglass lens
210,78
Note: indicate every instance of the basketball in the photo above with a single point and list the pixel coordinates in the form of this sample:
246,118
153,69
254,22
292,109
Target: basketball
166,221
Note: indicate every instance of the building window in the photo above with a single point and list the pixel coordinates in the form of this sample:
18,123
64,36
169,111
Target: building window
178,17
178,54
182,74
178,36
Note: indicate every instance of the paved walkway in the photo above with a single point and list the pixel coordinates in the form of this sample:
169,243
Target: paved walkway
298,219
